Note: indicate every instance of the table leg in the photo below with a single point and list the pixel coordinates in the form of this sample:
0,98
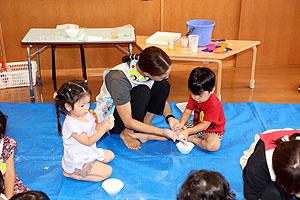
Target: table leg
253,67
30,74
130,48
219,81
83,63
38,65
53,66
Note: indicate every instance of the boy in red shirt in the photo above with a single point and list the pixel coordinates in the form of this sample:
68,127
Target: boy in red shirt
206,130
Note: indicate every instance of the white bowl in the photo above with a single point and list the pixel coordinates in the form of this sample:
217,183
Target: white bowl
185,149
112,186
72,32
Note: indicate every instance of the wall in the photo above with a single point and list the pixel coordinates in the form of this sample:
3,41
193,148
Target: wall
275,23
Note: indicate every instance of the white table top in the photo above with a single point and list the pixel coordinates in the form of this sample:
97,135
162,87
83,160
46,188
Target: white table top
85,36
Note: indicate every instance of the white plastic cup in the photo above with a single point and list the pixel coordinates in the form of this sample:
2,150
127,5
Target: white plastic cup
193,43
184,41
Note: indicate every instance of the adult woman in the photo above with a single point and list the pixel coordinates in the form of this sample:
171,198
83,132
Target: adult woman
139,89
273,168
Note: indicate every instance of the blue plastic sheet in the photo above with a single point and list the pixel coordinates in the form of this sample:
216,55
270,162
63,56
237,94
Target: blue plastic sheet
154,172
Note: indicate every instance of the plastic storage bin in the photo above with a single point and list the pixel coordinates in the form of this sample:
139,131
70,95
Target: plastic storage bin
16,74
203,28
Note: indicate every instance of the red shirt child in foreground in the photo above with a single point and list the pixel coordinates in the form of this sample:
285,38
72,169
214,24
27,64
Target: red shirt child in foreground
206,130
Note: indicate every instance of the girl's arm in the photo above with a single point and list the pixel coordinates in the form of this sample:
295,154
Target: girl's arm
10,176
130,123
88,141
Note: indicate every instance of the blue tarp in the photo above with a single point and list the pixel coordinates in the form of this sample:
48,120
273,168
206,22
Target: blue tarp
154,172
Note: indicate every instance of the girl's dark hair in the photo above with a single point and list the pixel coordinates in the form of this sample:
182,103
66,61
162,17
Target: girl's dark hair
3,122
152,60
70,92
30,195
205,185
201,79
286,164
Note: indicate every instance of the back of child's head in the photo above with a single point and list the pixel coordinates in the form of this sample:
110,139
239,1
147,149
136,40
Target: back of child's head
30,195
201,79
152,60
3,122
286,164
69,93
205,185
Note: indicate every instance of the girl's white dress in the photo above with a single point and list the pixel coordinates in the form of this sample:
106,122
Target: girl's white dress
75,153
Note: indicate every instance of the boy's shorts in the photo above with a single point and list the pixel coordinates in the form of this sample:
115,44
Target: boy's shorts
86,169
200,135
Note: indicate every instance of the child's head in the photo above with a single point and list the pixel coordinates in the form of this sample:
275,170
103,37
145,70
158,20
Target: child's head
286,164
31,195
3,121
201,83
205,185
153,62
68,95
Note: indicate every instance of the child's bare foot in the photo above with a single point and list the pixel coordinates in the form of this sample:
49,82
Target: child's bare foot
141,136
130,142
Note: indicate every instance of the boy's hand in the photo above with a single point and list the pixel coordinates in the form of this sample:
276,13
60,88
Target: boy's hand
179,126
184,134
171,134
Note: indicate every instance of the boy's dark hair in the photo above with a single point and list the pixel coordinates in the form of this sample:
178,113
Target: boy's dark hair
70,92
30,195
286,164
152,60
205,185
3,122
201,79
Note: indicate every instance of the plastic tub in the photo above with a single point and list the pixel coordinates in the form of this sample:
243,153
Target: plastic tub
203,28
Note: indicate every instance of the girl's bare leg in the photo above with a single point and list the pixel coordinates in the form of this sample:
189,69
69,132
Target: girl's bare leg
109,156
99,172
210,142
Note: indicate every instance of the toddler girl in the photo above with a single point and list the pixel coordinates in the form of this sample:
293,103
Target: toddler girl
12,183
82,160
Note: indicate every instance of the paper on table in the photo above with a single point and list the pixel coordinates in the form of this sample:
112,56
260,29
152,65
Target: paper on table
67,26
162,38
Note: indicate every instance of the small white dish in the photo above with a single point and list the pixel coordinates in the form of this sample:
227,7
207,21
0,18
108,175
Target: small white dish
185,149
112,186
72,32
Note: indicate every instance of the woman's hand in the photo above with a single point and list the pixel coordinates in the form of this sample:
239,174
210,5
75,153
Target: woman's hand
172,123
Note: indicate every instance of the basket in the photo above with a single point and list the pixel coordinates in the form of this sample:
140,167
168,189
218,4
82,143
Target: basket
17,75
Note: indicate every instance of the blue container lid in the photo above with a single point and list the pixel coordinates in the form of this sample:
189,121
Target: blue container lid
200,23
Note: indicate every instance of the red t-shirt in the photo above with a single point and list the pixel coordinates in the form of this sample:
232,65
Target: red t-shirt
211,111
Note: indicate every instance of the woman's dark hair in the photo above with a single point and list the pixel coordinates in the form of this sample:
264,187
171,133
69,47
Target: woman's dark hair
286,164
152,60
70,92
201,79
30,195
205,185
3,122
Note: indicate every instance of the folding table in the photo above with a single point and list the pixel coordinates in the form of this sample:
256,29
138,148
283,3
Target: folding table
184,54
58,37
